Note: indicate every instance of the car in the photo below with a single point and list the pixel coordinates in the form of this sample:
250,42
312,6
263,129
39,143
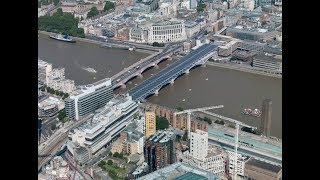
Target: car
118,80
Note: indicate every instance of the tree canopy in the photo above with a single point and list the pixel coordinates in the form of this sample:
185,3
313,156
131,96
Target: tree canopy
161,123
109,5
61,22
201,7
93,12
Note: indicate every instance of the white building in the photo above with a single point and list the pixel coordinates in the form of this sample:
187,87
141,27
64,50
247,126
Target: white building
137,35
240,163
191,28
199,144
268,62
50,106
193,4
167,31
44,71
108,122
141,124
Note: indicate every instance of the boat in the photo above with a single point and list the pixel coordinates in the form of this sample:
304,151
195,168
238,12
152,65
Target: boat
250,112
183,100
207,79
91,70
61,37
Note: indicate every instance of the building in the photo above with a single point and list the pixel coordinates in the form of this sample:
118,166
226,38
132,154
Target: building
241,160
131,143
140,171
167,31
150,122
137,35
148,5
178,121
44,71
159,150
50,106
106,124
256,169
180,171
268,62
249,33
199,144
193,4
87,99
81,155
209,159
266,117
191,27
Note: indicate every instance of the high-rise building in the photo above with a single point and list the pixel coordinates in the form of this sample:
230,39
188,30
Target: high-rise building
150,118
87,99
265,126
106,124
199,144
159,150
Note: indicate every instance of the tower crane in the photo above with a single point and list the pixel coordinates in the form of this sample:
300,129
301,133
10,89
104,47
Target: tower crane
189,111
238,123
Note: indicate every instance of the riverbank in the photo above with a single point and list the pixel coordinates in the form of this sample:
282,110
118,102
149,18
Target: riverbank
243,69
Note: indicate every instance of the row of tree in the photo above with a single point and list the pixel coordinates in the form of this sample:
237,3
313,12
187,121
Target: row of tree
61,22
47,2
53,91
208,120
94,11
201,7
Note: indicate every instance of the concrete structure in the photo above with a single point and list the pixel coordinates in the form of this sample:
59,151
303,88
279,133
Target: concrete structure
255,169
148,5
137,34
150,122
131,143
167,31
87,99
199,144
107,123
180,171
159,150
193,4
50,106
213,161
249,33
268,62
265,126
44,71
241,160
154,84
192,28
82,155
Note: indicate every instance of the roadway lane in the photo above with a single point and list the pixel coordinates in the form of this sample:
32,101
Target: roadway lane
167,73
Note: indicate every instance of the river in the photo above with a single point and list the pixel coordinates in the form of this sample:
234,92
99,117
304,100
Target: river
204,86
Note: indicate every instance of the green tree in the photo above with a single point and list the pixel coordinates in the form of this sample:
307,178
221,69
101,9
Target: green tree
59,12
55,2
109,162
65,119
93,12
62,115
161,123
201,7
156,44
120,155
263,23
110,153
102,163
116,154
109,5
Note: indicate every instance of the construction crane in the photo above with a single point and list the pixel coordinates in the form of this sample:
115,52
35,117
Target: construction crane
238,123
189,111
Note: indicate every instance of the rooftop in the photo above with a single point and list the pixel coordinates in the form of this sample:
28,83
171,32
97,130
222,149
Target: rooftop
86,89
268,57
191,176
161,136
178,169
167,22
264,165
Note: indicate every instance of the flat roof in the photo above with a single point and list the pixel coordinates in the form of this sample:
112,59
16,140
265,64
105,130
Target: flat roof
191,176
268,57
264,165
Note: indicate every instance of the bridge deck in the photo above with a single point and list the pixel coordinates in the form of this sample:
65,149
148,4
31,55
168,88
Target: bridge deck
165,76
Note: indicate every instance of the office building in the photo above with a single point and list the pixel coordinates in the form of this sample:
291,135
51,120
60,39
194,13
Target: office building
50,106
150,122
241,160
256,169
81,155
159,150
268,62
106,124
131,143
167,31
193,4
266,117
199,144
87,99
44,71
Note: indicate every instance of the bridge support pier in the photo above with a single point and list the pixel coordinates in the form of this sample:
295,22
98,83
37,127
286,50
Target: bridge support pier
203,65
123,86
156,66
156,92
172,82
187,71
169,58
140,76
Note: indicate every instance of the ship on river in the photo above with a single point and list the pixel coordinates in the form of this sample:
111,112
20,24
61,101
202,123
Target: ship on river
91,70
250,112
61,37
